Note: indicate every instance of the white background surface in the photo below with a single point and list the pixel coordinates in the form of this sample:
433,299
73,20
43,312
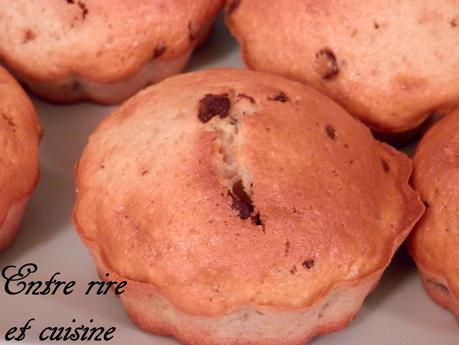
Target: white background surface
398,312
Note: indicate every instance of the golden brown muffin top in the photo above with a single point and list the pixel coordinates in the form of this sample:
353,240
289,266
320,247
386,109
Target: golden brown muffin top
391,63
98,40
435,242
229,187
19,136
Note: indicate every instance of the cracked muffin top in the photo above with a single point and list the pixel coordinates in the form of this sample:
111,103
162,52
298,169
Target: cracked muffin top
435,242
20,134
227,187
391,63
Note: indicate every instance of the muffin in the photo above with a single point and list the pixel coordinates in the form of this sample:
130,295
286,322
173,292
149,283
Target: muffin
241,208
389,63
103,51
20,135
434,244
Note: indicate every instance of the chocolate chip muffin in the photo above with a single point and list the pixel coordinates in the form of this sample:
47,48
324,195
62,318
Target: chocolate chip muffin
20,134
98,50
389,63
435,242
242,208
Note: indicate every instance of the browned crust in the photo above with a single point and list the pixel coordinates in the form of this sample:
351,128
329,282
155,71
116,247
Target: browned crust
21,132
378,82
103,47
405,206
146,307
414,207
433,244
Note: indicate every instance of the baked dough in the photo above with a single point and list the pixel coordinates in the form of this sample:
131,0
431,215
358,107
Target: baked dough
391,63
20,135
99,50
242,208
435,242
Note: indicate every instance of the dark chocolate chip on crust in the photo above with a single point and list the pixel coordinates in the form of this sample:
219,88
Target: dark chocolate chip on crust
211,105
83,8
331,132
308,264
279,97
241,200
327,63
256,219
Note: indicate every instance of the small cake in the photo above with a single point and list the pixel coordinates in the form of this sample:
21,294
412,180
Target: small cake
434,244
20,135
98,50
241,208
389,63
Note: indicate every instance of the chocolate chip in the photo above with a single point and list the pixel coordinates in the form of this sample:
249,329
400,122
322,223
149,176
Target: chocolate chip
241,200
159,50
453,23
83,8
212,105
385,165
330,132
256,220
243,203
327,63
308,264
233,5
376,25
280,97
